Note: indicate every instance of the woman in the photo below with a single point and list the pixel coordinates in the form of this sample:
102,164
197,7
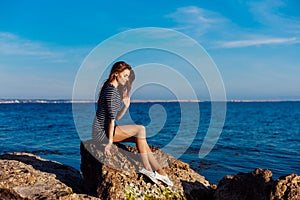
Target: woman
114,90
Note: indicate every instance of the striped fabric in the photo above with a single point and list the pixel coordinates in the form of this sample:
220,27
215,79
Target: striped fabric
109,104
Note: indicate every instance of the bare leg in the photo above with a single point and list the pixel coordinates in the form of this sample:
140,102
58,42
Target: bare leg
157,167
139,132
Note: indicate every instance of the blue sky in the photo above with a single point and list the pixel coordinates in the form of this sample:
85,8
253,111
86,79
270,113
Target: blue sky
254,44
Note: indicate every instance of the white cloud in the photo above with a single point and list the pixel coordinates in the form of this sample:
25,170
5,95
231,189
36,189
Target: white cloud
217,31
278,27
11,44
257,41
33,68
270,15
197,19
18,47
196,15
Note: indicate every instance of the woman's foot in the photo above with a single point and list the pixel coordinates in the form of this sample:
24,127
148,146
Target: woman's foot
149,174
164,178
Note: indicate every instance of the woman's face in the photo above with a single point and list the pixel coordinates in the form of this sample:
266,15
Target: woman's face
123,77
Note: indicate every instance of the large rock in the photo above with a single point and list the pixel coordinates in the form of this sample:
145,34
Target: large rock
258,185
286,187
26,176
116,177
255,185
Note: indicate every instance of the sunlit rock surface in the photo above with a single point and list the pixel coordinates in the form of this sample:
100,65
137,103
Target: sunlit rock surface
116,177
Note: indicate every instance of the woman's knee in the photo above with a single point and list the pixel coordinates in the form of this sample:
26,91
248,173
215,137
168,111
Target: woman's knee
141,131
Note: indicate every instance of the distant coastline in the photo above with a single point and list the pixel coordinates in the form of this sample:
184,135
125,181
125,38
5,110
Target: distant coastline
16,101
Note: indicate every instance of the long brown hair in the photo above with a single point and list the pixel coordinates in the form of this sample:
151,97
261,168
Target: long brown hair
119,67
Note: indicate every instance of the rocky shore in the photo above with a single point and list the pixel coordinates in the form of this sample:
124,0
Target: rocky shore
27,176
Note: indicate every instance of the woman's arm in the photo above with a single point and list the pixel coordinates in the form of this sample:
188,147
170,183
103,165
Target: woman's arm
111,128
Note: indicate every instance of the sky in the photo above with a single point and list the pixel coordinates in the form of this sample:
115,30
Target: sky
254,45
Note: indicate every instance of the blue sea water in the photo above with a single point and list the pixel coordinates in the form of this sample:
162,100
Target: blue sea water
255,134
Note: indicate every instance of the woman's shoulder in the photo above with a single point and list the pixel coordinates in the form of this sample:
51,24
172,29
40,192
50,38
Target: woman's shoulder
109,88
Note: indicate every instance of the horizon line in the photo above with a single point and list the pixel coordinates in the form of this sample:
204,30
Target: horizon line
11,101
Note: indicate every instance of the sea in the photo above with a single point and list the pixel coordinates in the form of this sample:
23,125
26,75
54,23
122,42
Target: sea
264,134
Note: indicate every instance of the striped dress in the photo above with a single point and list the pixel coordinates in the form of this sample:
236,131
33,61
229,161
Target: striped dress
108,106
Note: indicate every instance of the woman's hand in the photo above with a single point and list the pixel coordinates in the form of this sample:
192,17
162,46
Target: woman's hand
126,100
107,149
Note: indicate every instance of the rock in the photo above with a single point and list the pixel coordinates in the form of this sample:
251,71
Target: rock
247,186
286,187
75,196
26,176
116,177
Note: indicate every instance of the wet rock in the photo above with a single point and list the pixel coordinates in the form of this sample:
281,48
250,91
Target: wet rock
117,177
247,186
286,187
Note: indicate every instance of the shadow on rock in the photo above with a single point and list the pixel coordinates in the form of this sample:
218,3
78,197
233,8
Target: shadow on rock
196,190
